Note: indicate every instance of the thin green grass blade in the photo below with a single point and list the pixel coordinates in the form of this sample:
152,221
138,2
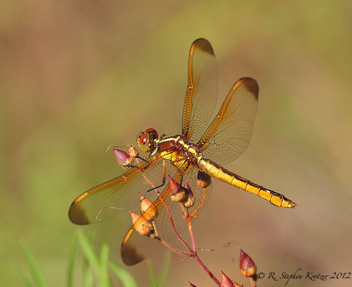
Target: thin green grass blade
87,275
71,262
152,274
165,268
37,275
123,275
24,277
104,279
88,251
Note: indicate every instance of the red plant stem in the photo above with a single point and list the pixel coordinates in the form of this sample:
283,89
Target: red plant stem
193,252
173,225
168,211
205,268
188,218
195,255
170,247
253,284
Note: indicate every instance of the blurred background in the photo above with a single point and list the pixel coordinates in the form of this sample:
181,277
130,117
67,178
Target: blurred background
78,76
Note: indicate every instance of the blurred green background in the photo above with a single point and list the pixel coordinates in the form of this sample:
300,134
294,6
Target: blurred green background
77,76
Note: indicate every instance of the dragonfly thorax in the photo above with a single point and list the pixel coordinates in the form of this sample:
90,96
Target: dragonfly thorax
176,149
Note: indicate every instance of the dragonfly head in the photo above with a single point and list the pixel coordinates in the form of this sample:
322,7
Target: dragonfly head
146,140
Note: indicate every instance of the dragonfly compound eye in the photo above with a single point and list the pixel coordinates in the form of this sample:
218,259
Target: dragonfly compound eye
145,140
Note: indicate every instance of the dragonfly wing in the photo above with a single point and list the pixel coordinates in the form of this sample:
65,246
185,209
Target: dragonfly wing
136,247
121,192
202,90
231,130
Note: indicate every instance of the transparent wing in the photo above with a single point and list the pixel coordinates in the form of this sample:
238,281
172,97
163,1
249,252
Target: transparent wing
120,192
202,91
231,130
136,247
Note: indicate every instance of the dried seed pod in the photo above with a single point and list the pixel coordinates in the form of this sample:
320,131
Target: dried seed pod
177,192
133,151
190,198
142,226
203,179
148,210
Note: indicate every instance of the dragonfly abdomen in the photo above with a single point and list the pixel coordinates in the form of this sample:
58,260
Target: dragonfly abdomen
216,171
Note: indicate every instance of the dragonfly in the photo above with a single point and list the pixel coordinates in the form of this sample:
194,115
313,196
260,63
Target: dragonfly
205,144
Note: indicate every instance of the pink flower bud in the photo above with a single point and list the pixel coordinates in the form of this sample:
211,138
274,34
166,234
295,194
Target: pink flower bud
227,282
123,158
247,265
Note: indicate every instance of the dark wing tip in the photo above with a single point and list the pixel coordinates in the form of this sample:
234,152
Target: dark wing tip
77,215
203,45
130,256
251,85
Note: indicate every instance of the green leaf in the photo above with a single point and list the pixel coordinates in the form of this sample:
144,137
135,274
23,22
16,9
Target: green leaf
37,276
71,262
152,274
87,275
88,251
165,268
24,277
104,279
123,275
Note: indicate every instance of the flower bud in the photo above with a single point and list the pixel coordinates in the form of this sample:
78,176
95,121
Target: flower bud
123,158
142,226
177,192
226,281
247,265
190,199
148,210
203,179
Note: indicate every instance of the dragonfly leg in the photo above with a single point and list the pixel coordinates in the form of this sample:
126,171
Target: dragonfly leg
162,183
193,215
139,157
